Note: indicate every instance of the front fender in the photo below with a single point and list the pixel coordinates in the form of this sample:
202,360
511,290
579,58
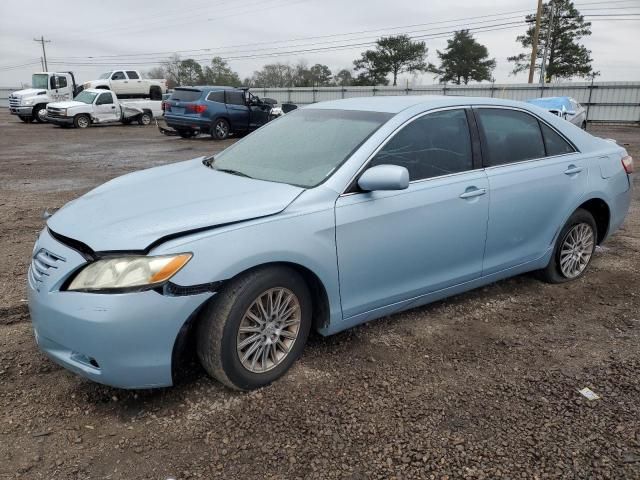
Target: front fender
306,240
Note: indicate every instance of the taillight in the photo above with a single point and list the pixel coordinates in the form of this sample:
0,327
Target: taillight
163,105
195,108
627,164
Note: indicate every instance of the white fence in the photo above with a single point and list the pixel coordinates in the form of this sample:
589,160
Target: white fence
606,101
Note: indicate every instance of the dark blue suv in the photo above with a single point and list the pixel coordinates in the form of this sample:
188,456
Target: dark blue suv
220,111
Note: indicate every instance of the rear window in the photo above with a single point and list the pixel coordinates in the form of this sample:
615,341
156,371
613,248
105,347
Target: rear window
132,75
185,95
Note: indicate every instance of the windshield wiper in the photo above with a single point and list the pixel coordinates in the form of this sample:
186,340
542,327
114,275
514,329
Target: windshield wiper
209,163
232,172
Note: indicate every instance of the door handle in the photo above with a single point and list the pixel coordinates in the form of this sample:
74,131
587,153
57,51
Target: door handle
473,192
113,106
572,170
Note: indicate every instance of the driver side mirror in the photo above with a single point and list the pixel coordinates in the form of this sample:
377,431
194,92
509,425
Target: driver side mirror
384,177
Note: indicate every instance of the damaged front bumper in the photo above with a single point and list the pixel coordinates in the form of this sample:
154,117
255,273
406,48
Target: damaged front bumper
123,340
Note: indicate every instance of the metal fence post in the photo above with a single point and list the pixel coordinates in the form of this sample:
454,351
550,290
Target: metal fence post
444,88
288,95
342,91
586,118
493,88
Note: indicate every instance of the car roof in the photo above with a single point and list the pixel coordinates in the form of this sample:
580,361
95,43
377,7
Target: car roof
396,104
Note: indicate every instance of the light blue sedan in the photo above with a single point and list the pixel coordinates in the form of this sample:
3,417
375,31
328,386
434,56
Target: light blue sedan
336,214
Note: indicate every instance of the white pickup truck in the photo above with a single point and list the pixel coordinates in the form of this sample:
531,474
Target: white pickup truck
31,103
129,84
96,106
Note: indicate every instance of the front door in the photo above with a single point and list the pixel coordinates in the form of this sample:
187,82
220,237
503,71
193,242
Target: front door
119,83
395,246
535,179
105,109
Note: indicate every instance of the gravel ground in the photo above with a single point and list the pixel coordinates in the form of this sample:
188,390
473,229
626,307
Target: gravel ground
483,385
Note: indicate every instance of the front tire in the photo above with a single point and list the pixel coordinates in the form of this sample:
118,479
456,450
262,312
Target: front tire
220,129
81,121
255,328
573,250
40,113
25,119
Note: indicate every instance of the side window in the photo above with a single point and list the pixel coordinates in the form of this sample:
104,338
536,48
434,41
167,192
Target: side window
509,136
104,99
118,76
62,81
554,143
133,75
216,96
433,145
233,97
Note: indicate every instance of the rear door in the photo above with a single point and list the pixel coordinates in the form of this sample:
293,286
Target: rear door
135,85
535,178
237,109
105,108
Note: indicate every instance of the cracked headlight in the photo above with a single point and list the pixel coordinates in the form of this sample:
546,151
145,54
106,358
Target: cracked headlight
128,273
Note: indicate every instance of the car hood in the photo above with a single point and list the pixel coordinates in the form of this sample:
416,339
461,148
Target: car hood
28,92
133,211
67,104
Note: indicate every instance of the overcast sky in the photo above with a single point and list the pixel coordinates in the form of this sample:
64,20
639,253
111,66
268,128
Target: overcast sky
114,32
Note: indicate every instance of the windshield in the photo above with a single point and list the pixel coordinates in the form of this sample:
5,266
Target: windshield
104,75
302,148
86,97
40,80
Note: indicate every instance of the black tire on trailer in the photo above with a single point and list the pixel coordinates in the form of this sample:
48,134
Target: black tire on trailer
255,328
573,250
186,133
81,121
145,118
155,93
39,112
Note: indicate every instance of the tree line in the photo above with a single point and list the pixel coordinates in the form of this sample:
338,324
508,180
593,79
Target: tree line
463,60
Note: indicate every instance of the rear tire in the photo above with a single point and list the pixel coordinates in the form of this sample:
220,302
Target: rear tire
155,93
225,350
144,119
39,113
573,250
81,121
584,125
220,129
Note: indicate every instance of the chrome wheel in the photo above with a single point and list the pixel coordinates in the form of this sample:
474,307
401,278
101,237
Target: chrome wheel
42,114
576,250
83,122
268,330
222,130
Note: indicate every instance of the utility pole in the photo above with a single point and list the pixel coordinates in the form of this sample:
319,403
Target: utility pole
534,44
546,43
42,41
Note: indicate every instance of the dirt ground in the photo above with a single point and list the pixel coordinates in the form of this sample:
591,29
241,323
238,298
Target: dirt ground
483,385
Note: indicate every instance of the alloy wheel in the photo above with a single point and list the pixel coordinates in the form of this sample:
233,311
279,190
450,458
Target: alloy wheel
268,330
576,250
